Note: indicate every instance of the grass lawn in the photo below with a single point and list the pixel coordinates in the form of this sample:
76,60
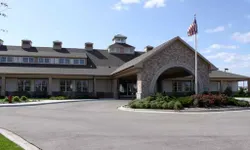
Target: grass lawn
6,144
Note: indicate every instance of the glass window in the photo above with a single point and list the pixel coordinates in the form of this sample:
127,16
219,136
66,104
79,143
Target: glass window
61,60
177,86
25,59
24,85
3,59
82,85
41,85
9,59
66,85
0,84
76,61
187,86
31,60
40,60
82,62
47,60
67,61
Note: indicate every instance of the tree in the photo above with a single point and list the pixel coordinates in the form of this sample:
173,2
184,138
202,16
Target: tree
3,8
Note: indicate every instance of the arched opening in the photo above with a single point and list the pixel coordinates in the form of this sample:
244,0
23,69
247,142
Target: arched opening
176,81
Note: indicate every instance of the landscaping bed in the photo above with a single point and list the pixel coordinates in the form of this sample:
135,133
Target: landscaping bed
160,101
6,144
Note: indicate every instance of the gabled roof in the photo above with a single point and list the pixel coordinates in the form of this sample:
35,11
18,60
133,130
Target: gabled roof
226,75
157,49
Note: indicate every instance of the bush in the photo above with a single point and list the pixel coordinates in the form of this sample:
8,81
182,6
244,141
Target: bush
242,103
58,98
153,105
16,99
209,100
165,105
228,91
186,101
171,104
24,99
178,105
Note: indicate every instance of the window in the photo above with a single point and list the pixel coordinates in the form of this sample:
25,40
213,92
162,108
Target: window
177,87
41,85
0,84
82,86
10,59
64,61
44,60
82,62
28,59
24,85
3,59
78,61
65,85
182,86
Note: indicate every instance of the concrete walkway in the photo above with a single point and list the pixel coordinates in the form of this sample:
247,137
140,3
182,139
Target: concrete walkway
45,102
18,140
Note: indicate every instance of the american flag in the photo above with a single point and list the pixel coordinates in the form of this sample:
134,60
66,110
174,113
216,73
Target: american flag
193,29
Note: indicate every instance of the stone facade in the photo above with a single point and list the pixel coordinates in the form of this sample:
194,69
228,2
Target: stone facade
174,55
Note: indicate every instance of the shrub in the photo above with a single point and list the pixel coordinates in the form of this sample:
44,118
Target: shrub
16,99
178,105
24,99
186,101
171,104
242,103
204,100
165,105
153,105
228,91
58,98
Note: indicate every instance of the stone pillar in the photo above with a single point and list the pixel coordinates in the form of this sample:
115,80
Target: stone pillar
3,88
94,86
248,85
115,88
50,87
139,86
221,86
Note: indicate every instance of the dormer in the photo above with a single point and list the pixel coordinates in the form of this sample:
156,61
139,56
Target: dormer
119,38
57,45
26,43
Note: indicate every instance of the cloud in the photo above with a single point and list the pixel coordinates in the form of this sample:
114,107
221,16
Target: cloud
231,57
119,6
229,25
241,37
155,3
123,4
214,47
217,29
220,46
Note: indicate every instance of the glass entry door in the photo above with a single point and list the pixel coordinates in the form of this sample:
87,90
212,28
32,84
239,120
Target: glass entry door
127,90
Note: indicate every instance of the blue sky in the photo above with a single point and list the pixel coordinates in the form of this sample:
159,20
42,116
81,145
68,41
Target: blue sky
224,26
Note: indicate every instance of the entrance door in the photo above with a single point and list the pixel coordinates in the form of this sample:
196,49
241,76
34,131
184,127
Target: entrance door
127,90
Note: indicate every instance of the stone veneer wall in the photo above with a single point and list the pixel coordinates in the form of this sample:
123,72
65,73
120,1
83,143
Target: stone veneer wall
175,55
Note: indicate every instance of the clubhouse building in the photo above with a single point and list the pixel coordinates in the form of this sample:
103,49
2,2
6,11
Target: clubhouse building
115,72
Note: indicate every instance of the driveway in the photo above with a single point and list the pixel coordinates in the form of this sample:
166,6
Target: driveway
99,125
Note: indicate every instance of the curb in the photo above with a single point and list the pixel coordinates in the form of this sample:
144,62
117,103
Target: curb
45,102
122,108
18,140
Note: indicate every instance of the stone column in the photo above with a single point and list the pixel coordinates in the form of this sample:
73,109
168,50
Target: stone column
139,86
221,86
115,88
248,85
94,86
50,87
3,88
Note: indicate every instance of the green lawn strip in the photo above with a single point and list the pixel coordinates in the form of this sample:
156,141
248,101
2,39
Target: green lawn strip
6,144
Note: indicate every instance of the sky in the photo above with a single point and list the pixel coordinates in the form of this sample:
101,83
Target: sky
223,38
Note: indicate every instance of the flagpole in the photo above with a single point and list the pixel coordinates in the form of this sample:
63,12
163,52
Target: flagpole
196,64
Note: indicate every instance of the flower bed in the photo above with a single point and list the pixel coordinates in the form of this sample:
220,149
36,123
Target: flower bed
160,101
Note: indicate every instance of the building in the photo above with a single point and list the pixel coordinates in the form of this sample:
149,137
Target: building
118,71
